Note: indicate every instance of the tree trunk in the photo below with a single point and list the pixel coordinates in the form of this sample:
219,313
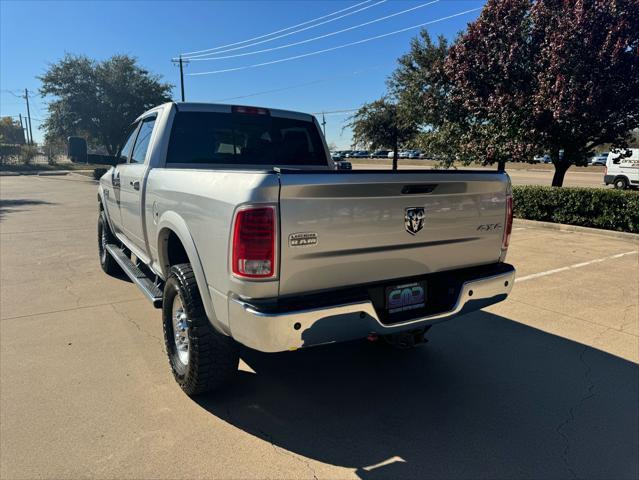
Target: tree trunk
560,172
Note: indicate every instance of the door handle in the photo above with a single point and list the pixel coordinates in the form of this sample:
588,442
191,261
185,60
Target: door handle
135,185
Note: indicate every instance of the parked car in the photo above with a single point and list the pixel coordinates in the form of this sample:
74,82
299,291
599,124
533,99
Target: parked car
380,154
403,154
622,170
360,154
343,165
542,159
414,154
234,222
599,159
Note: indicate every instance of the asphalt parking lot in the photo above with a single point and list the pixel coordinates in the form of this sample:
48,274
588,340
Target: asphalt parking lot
545,384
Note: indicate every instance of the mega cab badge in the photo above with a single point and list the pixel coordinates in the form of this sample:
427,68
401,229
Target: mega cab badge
302,239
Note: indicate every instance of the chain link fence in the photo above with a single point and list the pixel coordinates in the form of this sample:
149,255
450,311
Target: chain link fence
52,154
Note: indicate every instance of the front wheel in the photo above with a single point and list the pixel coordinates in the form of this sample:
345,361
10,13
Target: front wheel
201,358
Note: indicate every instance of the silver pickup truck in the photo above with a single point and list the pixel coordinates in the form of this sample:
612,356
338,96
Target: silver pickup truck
235,222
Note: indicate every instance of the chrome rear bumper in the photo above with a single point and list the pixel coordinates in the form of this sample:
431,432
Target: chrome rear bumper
277,332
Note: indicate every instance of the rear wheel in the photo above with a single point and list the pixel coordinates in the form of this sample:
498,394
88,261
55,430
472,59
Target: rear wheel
201,358
105,236
621,183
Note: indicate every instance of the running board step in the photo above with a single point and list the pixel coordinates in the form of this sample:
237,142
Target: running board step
137,276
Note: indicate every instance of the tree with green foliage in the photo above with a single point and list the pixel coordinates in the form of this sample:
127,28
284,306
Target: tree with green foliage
555,76
11,132
549,76
382,124
99,100
422,87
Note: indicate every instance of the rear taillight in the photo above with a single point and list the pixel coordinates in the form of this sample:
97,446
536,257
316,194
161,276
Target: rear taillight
508,228
254,246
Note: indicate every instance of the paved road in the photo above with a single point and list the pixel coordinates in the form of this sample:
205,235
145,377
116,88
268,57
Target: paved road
543,385
574,178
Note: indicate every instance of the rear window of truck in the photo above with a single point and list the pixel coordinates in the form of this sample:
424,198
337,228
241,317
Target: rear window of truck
243,139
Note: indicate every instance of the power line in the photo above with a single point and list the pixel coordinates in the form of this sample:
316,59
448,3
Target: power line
203,53
336,112
318,37
15,95
299,85
278,31
350,44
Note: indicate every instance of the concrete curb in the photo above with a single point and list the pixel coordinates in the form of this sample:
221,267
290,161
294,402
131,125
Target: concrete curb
520,222
53,173
42,173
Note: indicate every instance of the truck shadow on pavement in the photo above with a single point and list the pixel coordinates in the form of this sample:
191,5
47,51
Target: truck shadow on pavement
485,398
14,205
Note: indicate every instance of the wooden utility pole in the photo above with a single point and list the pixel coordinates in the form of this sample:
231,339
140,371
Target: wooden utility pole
24,137
181,78
180,61
26,97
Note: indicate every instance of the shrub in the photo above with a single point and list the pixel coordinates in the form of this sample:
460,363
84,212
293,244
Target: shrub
9,153
98,172
587,207
27,154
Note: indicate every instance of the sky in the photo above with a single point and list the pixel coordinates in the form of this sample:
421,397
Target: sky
35,34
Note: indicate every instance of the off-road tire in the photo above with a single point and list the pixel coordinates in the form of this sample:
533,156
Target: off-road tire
213,358
105,236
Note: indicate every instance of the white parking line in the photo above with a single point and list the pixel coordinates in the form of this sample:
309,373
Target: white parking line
576,265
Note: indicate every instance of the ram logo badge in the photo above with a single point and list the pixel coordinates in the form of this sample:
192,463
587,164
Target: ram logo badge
414,219
305,239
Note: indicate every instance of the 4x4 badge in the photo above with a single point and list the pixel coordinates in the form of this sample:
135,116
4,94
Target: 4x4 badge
414,219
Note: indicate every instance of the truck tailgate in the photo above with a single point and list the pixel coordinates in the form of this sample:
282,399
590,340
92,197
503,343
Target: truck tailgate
349,228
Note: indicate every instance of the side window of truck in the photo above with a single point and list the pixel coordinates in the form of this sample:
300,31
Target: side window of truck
125,151
142,142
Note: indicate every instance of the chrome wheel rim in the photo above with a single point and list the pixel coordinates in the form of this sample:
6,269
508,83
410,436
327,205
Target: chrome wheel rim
180,330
